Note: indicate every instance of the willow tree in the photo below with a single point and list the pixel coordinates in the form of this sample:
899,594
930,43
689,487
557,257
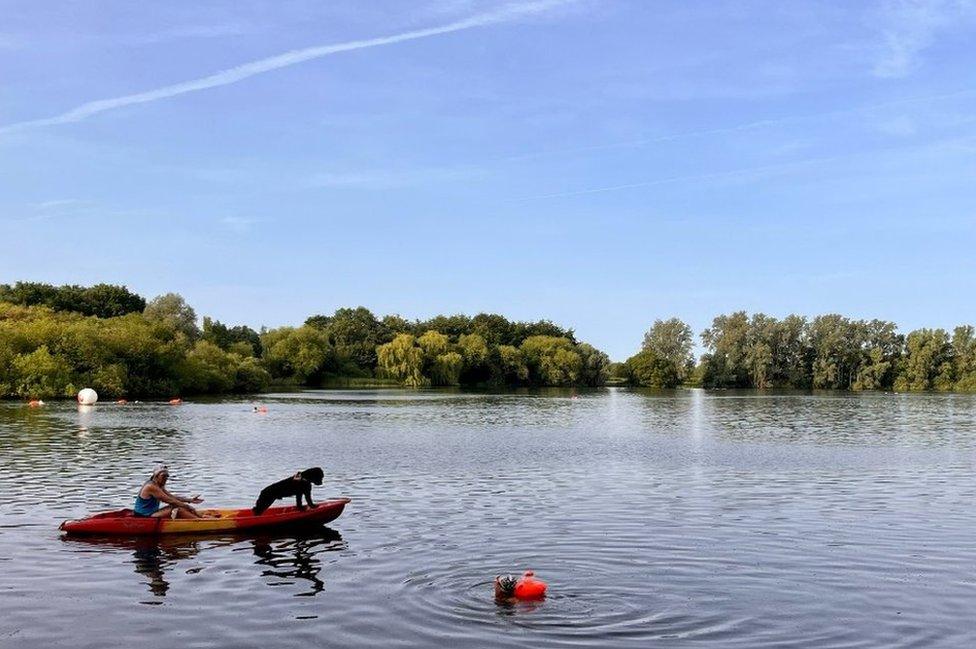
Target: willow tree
551,360
402,360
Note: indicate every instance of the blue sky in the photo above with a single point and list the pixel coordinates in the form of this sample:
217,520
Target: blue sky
601,164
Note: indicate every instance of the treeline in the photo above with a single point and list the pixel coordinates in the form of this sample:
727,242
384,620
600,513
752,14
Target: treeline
56,340
101,300
829,352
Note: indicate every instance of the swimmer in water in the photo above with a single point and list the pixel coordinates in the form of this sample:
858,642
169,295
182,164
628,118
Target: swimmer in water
505,589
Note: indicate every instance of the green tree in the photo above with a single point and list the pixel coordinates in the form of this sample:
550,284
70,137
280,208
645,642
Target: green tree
354,335
393,325
647,369
208,369
250,376
793,359
512,369
928,362
594,365
494,329
302,355
41,374
551,360
109,380
476,356
227,337
671,340
173,310
964,358
446,369
434,343
761,346
449,325
402,360
726,364
523,330
110,301
880,353
100,300
836,342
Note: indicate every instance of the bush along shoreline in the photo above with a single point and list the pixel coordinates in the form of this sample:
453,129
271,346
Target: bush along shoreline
55,340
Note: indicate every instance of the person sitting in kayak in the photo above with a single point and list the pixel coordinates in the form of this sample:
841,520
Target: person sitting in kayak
154,492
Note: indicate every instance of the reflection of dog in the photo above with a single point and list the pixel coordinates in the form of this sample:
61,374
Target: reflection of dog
298,485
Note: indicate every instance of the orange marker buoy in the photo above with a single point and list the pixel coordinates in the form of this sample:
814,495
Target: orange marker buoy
176,402
528,587
35,403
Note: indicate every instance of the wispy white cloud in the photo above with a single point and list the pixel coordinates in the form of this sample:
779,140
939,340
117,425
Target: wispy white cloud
909,27
58,203
507,13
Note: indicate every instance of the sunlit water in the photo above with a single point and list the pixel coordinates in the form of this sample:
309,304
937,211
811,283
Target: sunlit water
677,519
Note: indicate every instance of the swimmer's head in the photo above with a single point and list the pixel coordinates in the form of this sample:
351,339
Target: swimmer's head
505,586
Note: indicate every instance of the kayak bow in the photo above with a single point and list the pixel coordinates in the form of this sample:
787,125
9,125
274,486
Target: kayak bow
124,522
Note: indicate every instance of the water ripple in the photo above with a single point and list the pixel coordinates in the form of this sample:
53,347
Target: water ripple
658,519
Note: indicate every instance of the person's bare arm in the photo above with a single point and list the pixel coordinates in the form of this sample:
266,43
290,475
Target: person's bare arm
173,499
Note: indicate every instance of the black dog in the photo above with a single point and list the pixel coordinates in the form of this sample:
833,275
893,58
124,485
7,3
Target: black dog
297,485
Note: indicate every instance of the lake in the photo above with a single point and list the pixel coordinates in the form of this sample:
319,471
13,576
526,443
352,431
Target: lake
677,519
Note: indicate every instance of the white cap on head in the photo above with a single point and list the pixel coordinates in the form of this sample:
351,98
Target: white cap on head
160,468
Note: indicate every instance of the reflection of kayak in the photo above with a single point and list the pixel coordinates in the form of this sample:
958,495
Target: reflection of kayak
124,523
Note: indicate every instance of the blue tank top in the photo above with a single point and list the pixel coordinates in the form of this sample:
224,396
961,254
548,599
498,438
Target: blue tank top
145,506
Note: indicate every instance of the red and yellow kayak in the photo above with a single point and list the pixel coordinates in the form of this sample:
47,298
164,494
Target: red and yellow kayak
124,523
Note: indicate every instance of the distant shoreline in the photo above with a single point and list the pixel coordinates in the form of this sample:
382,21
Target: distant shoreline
55,340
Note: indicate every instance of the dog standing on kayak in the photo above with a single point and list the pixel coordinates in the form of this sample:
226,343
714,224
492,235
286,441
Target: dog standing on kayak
298,485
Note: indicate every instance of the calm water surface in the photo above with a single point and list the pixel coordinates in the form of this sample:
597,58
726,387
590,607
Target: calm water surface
684,519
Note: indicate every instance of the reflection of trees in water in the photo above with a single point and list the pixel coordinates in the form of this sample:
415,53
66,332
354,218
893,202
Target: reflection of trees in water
287,555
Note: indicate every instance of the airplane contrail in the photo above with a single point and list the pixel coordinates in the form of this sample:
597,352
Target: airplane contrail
246,70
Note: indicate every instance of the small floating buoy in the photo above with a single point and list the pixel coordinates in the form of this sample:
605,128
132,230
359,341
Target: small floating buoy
122,402
176,402
528,587
87,397
35,403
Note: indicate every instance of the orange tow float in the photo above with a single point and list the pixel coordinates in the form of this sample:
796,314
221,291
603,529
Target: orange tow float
528,587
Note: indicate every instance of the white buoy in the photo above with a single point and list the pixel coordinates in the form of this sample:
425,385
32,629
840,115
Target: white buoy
87,397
